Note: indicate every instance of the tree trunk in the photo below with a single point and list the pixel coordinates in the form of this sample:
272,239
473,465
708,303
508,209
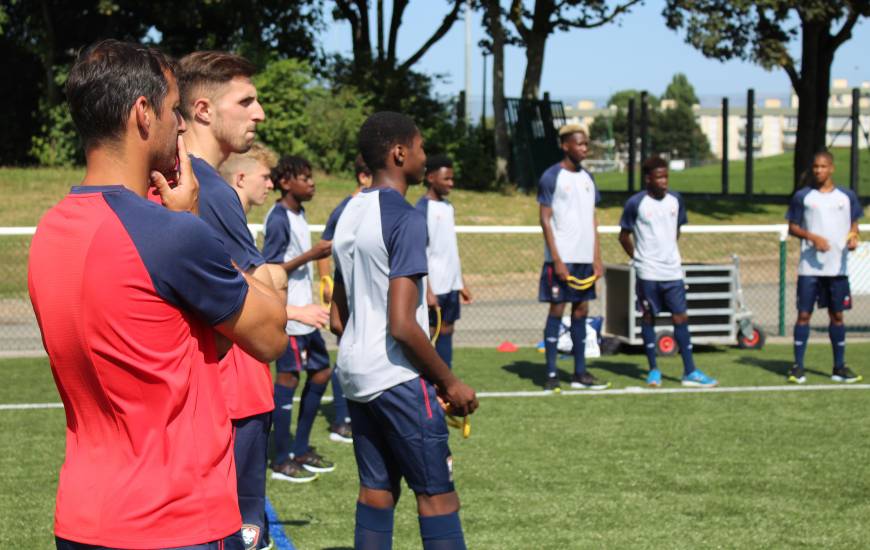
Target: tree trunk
502,146
813,92
47,55
534,66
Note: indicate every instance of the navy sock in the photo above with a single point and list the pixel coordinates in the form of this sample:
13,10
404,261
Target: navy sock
374,528
338,401
578,341
648,332
801,337
311,396
551,338
838,344
684,340
444,347
442,532
281,420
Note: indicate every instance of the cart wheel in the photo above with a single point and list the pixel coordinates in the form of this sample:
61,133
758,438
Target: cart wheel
756,341
666,344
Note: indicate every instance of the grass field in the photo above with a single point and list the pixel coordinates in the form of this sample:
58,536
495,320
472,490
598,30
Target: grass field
724,470
30,191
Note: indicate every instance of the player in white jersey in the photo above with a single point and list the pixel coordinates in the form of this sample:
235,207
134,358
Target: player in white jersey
391,375
572,256
288,243
825,218
446,285
653,217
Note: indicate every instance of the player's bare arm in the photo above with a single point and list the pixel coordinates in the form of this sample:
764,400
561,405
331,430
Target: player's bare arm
597,265
184,195
320,250
559,267
338,312
403,297
625,239
818,241
258,326
465,293
852,239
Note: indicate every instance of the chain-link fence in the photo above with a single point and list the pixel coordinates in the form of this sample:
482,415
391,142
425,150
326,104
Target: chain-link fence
502,266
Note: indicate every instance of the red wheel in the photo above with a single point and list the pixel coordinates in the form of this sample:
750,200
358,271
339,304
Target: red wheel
666,344
754,341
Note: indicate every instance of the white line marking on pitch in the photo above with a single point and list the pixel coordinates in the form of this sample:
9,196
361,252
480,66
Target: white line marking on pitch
631,390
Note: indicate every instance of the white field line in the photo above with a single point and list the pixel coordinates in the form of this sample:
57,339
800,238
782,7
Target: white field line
632,390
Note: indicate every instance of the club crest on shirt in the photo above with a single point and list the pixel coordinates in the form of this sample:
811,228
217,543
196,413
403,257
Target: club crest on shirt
250,536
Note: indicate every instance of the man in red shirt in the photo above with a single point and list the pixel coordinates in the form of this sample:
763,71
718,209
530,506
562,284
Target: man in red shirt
130,322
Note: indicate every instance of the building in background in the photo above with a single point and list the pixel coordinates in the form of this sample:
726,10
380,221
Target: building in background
775,124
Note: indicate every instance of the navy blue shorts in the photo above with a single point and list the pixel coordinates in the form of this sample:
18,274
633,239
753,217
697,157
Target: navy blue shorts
233,542
658,296
828,292
304,352
250,448
450,308
402,434
554,291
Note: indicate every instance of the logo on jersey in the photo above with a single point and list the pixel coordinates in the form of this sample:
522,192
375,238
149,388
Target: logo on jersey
250,536
847,302
450,467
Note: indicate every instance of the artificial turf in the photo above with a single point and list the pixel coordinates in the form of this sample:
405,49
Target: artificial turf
760,470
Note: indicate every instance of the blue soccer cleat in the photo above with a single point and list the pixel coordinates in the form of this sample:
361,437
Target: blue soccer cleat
654,378
697,379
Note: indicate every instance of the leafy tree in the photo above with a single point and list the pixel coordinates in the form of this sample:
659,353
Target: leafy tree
492,21
681,91
535,26
761,31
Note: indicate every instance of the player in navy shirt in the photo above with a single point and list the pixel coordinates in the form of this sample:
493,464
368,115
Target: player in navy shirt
391,375
340,430
219,102
567,196
825,218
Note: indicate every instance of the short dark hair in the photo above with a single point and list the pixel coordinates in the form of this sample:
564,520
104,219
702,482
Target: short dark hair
201,72
437,162
824,153
360,166
106,80
653,163
380,133
289,166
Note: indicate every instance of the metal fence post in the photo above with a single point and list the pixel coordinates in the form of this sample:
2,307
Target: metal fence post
783,254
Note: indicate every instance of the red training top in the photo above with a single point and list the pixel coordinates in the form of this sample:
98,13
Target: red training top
126,293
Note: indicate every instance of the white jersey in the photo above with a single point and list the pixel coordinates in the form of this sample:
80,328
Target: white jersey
572,196
829,215
286,237
445,273
379,237
655,224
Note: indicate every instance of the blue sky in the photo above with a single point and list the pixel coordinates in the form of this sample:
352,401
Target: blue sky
640,52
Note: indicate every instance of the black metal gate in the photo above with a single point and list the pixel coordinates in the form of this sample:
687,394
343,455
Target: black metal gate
533,126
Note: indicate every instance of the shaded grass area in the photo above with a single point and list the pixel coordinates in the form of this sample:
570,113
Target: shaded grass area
651,471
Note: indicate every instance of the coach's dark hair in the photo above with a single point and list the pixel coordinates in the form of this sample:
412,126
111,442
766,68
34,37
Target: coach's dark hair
380,133
653,163
106,80
437,162
199,73
360,166
289,166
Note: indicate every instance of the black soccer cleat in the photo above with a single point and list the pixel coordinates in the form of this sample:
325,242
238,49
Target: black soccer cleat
796,375
586,381
845,375
552,384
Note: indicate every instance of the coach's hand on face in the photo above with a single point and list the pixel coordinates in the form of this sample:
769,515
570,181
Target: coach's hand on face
460,398
182,193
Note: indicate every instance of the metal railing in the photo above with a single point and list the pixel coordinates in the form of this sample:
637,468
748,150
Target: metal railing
502,266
